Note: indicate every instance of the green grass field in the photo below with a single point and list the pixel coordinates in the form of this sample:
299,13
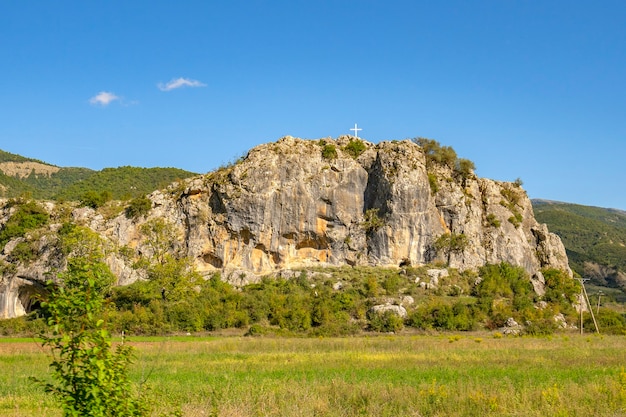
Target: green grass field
404,375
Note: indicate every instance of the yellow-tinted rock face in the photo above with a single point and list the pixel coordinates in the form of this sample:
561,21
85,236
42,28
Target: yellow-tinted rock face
293,203
286,205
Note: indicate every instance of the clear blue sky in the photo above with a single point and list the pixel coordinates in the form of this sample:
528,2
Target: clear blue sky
528,89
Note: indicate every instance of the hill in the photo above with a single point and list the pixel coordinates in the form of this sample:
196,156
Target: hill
20,175
323,237
594,238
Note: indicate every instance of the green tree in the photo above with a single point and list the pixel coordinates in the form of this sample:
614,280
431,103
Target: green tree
90,376
95,199
139,206
451,243
464,168
169,273
437,154
160,236
372,221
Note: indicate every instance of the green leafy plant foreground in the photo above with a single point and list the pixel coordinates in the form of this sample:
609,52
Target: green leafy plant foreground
90,377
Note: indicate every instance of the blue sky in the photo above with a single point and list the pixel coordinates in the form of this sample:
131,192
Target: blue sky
528,89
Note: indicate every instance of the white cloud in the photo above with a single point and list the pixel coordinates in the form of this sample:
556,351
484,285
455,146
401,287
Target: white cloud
103,98
180,82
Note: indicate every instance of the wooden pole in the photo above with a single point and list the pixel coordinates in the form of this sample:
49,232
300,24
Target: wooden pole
595,323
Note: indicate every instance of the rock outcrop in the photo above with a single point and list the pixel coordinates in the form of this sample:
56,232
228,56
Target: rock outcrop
296,203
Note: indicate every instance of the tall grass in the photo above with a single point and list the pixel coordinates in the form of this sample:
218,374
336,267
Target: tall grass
449,375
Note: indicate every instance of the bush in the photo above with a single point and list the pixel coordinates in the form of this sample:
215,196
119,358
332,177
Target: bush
23,252
560,287
437,154
541,327
441,316
391,284
329,151
27,216
512,196
95,199
387,322
137,207
372,221
503,280
355,148
19,326
492,220
609,321
450,243
464,168
516,219
90,378
432,182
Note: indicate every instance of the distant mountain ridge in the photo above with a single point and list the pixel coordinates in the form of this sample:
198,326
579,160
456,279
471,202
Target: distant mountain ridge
594,238
20,175
11,157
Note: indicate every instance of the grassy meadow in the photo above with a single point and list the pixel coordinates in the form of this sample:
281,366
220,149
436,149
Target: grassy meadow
389,375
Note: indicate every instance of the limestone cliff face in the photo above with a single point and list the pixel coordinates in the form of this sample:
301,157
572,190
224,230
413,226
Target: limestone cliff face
297,203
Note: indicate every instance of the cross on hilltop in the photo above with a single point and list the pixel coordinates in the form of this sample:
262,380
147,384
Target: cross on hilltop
356,131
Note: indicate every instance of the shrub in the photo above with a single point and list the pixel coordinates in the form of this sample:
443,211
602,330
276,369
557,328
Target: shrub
464,168
439,315
372,221
24,252
437,154
560,287
512,196
492,220
503,280
432,181
391,284
95,199
451,243
90,378
27,216
516,219
139,206
355,148
387,322
609,322
329,151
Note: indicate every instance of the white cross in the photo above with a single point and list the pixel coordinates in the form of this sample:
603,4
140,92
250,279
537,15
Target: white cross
356,131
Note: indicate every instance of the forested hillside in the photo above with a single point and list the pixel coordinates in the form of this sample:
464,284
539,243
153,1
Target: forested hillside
594,237
124,182
24,176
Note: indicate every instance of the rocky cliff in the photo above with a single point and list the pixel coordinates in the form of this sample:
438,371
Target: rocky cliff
296,203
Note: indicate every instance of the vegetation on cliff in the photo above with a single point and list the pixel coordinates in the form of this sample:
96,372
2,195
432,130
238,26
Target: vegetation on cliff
152,240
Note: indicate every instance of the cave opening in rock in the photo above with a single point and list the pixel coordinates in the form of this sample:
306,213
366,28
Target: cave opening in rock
30,297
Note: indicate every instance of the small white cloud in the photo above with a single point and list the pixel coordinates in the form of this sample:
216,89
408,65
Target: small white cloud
103,98
180,82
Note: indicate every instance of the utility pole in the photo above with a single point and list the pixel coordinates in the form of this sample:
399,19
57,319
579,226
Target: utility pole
599,295
585,298
582,299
